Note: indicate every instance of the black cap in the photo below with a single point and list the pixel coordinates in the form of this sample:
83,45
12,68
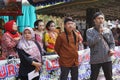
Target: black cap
97,14
68,19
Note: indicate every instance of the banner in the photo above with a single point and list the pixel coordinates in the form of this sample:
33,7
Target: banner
9,69
51,71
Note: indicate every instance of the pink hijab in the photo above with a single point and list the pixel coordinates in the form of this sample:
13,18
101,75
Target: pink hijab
29,46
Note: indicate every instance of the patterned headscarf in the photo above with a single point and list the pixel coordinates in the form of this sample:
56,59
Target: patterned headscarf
29,46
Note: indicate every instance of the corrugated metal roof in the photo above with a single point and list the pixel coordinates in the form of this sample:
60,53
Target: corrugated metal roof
46,2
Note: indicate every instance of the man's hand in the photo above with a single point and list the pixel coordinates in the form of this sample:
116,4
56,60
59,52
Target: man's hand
111,52
101,30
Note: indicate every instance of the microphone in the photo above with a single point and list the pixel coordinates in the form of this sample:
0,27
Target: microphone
101,25
101,28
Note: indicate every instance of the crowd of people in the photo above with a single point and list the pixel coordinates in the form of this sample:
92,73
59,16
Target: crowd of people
32,44
116,35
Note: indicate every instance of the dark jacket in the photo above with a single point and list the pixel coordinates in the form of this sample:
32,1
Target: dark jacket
25,62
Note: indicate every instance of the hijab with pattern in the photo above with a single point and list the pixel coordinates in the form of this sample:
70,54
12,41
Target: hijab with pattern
29,46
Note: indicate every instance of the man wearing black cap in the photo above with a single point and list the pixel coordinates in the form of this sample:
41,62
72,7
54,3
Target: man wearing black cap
101,43
67,48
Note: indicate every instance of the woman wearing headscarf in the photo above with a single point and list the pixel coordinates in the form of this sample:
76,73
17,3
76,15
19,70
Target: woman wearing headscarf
10,39
30,54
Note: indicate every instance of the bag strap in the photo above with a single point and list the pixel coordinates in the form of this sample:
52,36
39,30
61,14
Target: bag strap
105,40
103,37
39,47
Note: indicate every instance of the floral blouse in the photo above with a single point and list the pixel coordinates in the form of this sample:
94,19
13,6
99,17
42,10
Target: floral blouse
8,45
50,38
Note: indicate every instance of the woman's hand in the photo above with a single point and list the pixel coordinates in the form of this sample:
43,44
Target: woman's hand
37,66
18,38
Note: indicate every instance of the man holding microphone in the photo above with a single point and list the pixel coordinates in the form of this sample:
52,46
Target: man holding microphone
101,43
